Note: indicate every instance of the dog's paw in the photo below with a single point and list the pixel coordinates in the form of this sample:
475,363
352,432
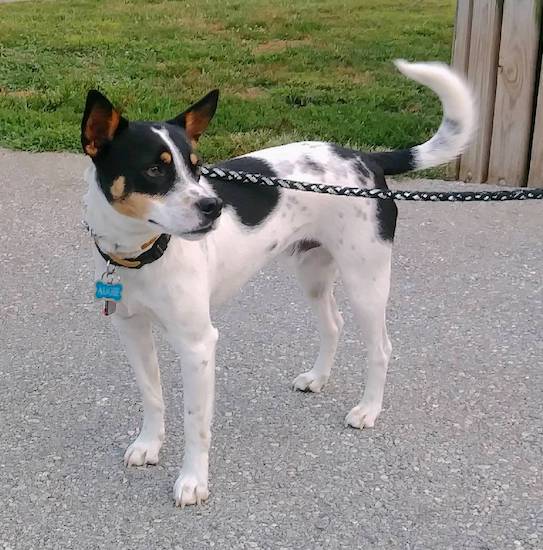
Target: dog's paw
142,451
363,415
309,381
189,489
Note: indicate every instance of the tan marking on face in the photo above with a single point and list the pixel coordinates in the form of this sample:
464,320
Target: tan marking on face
166,158
193,159
134,205
117,187
91,149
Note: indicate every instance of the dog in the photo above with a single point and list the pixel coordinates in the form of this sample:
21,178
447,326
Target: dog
181,243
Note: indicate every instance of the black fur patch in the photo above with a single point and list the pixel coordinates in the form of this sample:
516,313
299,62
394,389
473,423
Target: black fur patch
134,153
387,212
362,169
394,162
252,203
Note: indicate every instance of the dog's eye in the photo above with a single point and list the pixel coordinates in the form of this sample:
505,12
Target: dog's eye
155,171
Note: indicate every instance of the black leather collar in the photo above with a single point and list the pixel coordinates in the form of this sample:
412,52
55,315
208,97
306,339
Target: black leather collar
148,257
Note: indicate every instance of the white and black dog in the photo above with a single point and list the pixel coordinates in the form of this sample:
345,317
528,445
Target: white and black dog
183,243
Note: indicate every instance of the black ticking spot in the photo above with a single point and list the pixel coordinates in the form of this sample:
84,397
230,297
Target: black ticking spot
252,203
449,129
312,166
387,212
452,126
272,247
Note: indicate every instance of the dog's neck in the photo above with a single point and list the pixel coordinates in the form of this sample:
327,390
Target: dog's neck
113,232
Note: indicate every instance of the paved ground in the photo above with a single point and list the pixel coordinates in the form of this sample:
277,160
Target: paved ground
454,462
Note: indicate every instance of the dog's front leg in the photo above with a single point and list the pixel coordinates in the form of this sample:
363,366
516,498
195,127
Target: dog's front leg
137,337
197,351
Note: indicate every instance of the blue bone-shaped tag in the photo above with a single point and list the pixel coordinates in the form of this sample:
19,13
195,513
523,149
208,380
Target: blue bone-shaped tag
105,291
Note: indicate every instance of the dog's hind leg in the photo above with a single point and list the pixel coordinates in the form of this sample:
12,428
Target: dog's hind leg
316,271
367,283
136,335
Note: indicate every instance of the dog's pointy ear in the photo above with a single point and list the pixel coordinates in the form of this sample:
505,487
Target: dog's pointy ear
101,122
197,117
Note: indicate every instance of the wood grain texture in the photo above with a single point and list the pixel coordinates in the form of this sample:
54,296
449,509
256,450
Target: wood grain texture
460,57
515,93
535,178
462,36
482,71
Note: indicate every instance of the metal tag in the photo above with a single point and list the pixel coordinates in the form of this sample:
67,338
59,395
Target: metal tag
108,290
109,308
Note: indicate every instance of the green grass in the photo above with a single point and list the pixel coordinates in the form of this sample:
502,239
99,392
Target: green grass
287,69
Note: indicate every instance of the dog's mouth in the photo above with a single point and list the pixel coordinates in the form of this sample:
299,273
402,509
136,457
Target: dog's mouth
196,232
201,231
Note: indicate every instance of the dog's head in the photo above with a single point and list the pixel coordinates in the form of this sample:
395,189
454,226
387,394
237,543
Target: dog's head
149,171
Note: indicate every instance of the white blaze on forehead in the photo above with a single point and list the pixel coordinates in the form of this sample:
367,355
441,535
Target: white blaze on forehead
180,166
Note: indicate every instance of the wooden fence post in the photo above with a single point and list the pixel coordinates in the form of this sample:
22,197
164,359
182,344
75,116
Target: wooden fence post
483,55
515,92
460,57
535,178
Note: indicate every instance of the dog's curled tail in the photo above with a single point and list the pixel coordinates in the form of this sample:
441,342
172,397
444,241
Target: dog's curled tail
456,128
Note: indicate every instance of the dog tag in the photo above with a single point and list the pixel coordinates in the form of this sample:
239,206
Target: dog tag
108,291
109,307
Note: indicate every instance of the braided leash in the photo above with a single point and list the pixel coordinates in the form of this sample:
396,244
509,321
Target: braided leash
450,196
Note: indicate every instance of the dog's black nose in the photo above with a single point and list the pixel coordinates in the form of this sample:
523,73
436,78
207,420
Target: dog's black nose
210,207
